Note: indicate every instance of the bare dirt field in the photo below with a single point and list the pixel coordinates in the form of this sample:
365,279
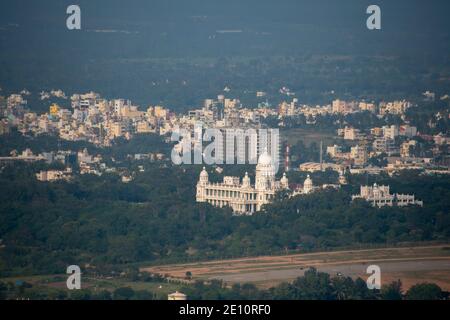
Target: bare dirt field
410,264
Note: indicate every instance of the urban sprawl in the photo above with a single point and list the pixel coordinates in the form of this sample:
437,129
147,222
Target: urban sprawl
91,118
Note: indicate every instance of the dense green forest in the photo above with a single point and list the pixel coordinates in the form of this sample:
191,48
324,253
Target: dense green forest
101,221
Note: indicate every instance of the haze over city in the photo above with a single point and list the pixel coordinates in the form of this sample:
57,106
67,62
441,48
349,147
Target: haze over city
224,150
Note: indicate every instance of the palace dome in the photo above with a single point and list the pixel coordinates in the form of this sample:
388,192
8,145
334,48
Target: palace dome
265,159
308,182
204,173
246,180
308,185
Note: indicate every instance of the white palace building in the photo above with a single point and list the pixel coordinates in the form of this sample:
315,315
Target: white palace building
243,198
380,196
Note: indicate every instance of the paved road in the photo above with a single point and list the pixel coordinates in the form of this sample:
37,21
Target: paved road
351,269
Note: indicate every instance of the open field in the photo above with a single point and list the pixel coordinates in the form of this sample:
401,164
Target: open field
410,264
52,282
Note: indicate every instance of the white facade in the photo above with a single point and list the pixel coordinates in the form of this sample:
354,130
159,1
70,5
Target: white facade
243,198
380,196
308,187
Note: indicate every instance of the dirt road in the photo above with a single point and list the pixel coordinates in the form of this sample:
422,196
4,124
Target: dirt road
411,264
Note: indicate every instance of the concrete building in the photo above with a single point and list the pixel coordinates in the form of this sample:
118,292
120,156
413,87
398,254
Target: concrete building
384,145
334,151
54,175
359,155
390,132
408,131
351,133
317,166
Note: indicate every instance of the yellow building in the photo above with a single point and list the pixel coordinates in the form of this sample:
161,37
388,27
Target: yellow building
116,129
160,112
144,127
54,109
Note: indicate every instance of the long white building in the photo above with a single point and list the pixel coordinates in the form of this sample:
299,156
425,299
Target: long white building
243,197
380,196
